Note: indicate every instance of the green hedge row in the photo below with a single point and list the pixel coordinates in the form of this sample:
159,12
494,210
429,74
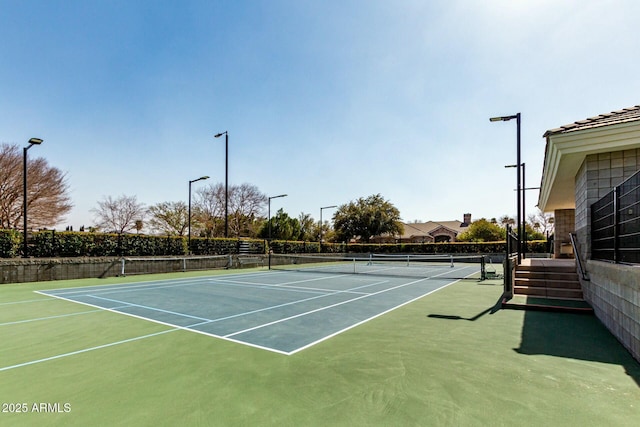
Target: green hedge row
441,248
44,244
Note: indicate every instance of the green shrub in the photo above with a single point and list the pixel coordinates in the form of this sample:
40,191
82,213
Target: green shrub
10,241
293,247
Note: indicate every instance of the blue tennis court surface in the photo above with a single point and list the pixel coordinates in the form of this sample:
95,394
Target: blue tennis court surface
280,311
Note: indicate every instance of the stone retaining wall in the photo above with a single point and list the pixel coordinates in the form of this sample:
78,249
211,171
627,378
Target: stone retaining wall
614,293
20,270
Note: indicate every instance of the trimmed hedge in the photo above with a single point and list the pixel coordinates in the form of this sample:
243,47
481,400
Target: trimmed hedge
293,247
46,244
49,244
279,246
220,246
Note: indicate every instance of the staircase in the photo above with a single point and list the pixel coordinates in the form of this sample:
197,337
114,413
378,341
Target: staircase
548,284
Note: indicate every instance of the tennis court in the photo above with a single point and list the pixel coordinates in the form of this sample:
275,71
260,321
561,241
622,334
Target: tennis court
284,311
445,359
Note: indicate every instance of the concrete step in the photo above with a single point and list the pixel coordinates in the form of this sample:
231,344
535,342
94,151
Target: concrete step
544,283
524,302
548,269
561,293
531,274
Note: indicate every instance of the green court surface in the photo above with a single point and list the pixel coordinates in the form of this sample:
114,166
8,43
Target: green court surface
448,358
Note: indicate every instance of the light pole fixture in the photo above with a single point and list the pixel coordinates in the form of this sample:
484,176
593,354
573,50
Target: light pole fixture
226,180
189,213
326,207
32,142
269,212
518,187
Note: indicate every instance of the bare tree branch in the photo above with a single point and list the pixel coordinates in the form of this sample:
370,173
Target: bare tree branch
47,198
120,214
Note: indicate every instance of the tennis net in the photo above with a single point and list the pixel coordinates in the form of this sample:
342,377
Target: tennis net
414,265
148,265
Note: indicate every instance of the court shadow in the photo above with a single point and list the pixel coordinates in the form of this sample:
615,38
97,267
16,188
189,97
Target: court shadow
575,337
489,310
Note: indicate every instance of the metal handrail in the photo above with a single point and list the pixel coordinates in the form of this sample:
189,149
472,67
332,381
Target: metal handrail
576,252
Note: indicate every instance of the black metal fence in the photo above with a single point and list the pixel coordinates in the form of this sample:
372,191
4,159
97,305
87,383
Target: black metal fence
615,224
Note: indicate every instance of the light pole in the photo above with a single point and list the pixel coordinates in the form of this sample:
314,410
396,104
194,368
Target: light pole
32,142
269,212
189,213
326,207
226,180
518,187
522,190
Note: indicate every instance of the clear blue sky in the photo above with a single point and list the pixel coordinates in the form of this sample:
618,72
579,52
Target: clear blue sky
326,101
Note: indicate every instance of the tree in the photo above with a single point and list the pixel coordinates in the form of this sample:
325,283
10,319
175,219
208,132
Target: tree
283,227
507,220
246,203
482,231
541,222
365,218
171,218
47,198
119,215
308,228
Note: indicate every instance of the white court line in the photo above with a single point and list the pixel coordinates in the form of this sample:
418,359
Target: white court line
73,353
208,321
144,284
25,301
280,305
130,304
280,286
373,317
17,322
325,308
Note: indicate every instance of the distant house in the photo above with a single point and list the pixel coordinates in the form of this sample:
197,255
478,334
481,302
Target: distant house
428,232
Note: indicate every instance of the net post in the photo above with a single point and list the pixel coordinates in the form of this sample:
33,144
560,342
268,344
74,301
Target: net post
269,261
184,264
483,270
122,269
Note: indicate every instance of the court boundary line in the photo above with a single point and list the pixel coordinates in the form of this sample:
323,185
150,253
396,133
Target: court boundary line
148,282
86,350
372,317
25,301
17,322
177,327
229,337
333,305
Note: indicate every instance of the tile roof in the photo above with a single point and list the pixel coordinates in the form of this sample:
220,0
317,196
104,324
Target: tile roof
425,228
615,117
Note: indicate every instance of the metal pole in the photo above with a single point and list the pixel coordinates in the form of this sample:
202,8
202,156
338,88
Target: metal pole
189,222
269,219
226,184
519,189
524,216
24,200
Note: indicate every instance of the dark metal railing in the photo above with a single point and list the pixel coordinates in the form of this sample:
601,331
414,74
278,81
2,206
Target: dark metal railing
615,224
578,255
510,261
